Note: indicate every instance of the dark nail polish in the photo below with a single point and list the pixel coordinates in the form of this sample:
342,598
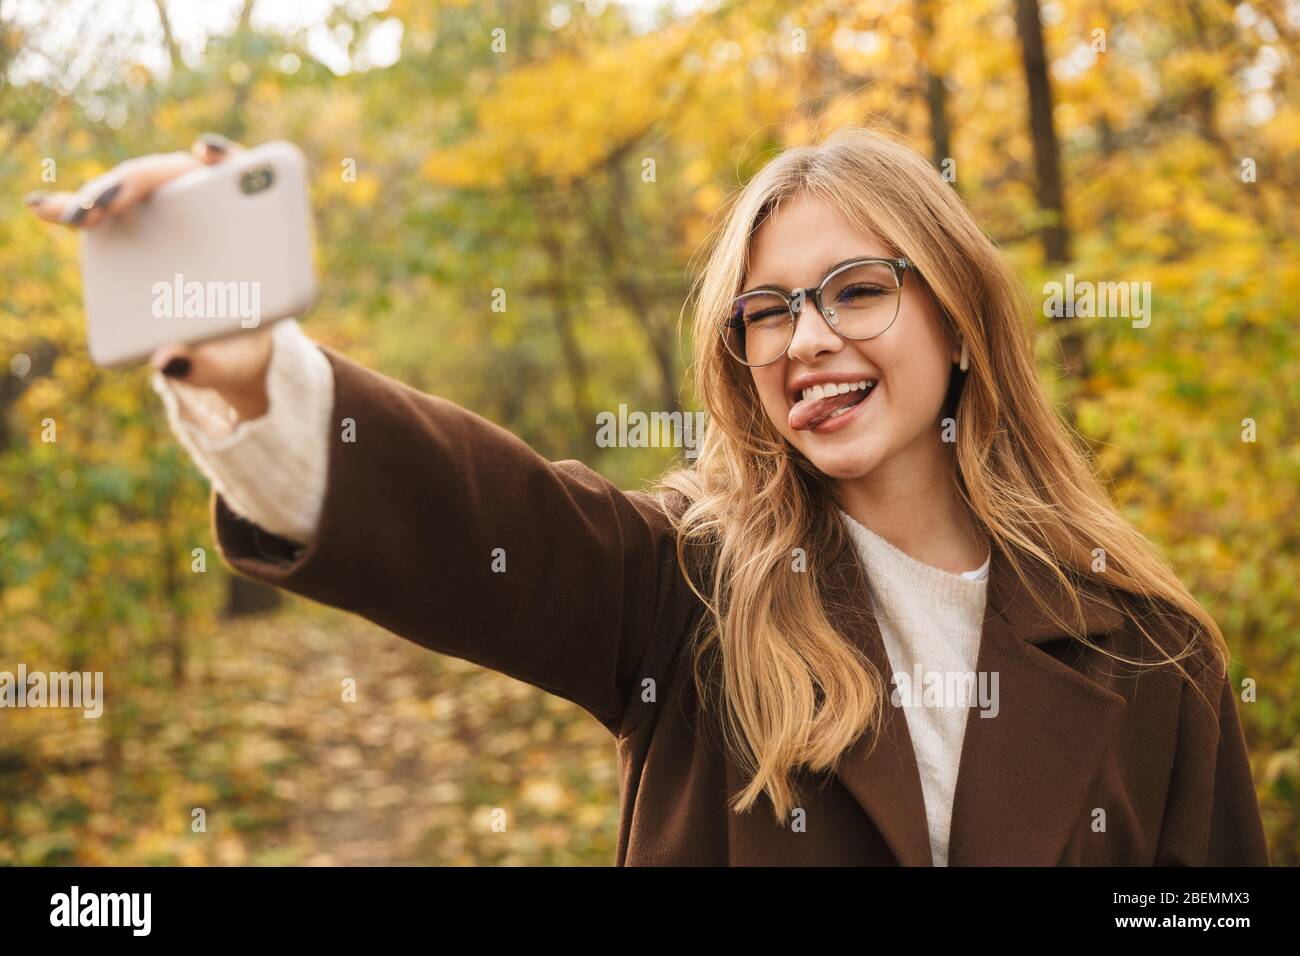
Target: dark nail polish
76,212
108,195
215,142
177,368
36,198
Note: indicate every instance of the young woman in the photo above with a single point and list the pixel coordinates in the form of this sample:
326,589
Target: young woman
889,616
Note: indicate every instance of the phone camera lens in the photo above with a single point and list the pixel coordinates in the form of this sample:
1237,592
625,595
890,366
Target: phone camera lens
256,180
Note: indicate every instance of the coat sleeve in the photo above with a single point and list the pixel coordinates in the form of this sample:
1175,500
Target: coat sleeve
451,532
1212,813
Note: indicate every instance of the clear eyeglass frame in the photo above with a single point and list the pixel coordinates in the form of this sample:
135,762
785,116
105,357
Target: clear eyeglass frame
794,302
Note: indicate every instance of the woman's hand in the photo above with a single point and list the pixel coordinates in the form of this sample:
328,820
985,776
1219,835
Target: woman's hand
234,366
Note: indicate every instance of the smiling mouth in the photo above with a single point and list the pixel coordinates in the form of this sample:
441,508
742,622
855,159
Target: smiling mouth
822,402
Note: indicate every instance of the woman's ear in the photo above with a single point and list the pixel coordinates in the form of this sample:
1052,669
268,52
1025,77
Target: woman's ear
952,333
954,339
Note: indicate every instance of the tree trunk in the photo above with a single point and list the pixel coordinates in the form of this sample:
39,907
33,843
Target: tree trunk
1054,234
1051,199
608,234
245,597
169,39
575,363
42,355
936,94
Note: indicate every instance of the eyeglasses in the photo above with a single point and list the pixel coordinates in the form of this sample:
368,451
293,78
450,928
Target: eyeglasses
858,299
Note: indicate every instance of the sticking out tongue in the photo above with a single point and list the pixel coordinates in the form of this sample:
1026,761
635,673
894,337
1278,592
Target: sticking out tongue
811,412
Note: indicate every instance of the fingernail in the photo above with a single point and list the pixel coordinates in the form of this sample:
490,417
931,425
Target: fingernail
177,368
36,198
108,195
215,141
77,212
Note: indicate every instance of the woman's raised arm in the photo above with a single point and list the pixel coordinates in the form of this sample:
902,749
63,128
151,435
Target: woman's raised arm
451,532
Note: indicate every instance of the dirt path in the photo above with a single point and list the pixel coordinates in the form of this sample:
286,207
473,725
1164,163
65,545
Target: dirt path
288,772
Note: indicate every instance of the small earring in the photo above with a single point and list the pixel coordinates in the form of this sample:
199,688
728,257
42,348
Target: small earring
965,357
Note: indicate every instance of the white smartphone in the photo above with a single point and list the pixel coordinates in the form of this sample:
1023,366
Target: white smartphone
215,251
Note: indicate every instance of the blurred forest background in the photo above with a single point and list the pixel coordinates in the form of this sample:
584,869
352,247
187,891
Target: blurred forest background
1115,139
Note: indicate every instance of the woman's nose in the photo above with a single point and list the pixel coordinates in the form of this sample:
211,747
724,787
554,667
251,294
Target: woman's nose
812,335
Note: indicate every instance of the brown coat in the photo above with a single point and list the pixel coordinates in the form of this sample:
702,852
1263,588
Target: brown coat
592,607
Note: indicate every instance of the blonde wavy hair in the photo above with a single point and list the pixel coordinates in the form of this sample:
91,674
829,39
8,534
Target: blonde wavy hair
794,693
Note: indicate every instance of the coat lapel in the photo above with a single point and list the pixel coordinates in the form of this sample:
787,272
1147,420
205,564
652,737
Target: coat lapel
1024,773
882,778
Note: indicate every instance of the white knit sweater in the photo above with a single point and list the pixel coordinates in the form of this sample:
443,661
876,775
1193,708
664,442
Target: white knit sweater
272,470
931,622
